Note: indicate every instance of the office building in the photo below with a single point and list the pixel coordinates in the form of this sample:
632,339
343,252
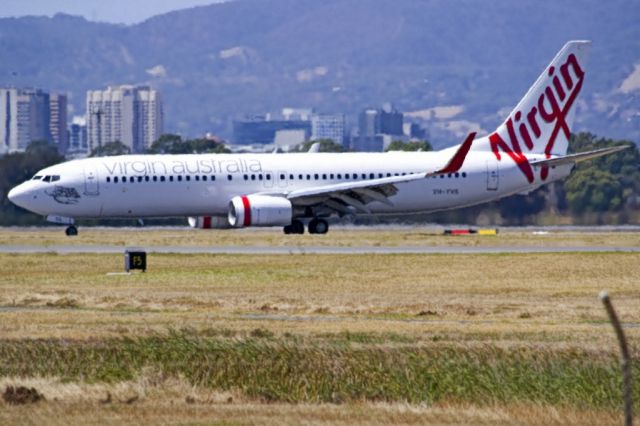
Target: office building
331,127
78,141
377,127
132,115
262,129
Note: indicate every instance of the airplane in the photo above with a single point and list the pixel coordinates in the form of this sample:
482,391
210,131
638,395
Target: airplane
527,150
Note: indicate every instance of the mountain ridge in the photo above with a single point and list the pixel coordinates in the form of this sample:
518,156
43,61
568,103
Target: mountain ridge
215,63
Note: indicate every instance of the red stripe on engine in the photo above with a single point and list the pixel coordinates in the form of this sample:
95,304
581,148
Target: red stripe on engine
247,210
206,222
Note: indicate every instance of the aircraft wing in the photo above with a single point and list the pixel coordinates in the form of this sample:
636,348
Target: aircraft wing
346,197
580,156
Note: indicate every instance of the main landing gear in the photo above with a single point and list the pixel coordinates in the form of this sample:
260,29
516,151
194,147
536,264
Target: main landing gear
296,227
316,226
71,231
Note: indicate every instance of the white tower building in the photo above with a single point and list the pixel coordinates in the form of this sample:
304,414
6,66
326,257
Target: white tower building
132,115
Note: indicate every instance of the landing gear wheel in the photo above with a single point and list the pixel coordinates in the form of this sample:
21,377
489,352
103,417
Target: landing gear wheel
318,226
296,227
71,231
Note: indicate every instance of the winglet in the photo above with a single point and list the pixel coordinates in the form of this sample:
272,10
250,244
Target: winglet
458,158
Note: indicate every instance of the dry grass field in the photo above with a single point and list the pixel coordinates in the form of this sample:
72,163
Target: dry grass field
339,237
338,339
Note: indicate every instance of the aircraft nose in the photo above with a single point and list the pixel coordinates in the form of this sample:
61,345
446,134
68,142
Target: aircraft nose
18,196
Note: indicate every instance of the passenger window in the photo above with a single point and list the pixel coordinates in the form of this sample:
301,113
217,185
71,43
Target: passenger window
146,178
372,175
315,176
139,178
213,178
204,178
162,178
197,178
155,178
364,176
324,176
253,177
300,177
131,179
339,176
229,177
246,177
464,174
308,177
179,178
291,177
115,179
260,177
108,179
268,177
170,178
188,178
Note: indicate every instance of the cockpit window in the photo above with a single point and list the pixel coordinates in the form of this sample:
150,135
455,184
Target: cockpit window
36,177
55,178
47,179
52,178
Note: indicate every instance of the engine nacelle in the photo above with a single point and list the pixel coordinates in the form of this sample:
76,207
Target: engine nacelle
209,222
259,210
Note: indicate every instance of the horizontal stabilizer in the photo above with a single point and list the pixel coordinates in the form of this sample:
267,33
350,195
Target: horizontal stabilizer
580,156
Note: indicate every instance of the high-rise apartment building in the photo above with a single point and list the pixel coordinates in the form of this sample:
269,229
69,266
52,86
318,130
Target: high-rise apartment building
132,115
24,117
58,121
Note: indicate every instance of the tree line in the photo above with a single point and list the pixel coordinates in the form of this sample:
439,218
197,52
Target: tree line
601,191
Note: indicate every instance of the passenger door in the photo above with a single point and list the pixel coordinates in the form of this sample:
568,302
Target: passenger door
493,175
91,184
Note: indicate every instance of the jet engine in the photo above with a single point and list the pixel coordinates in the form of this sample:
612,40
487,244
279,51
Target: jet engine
259,210
209,222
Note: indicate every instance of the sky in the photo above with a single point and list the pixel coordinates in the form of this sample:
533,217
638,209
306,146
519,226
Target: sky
114,11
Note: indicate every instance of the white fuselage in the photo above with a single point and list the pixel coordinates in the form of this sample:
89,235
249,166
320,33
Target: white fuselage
142,186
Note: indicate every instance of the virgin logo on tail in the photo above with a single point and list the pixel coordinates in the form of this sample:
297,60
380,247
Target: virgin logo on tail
552,108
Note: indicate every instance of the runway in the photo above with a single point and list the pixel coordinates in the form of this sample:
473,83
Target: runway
318,250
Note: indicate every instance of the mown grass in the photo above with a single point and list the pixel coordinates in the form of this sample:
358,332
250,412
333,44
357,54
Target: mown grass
303,370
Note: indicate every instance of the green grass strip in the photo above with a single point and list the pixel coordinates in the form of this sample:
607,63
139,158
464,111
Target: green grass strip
305,370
